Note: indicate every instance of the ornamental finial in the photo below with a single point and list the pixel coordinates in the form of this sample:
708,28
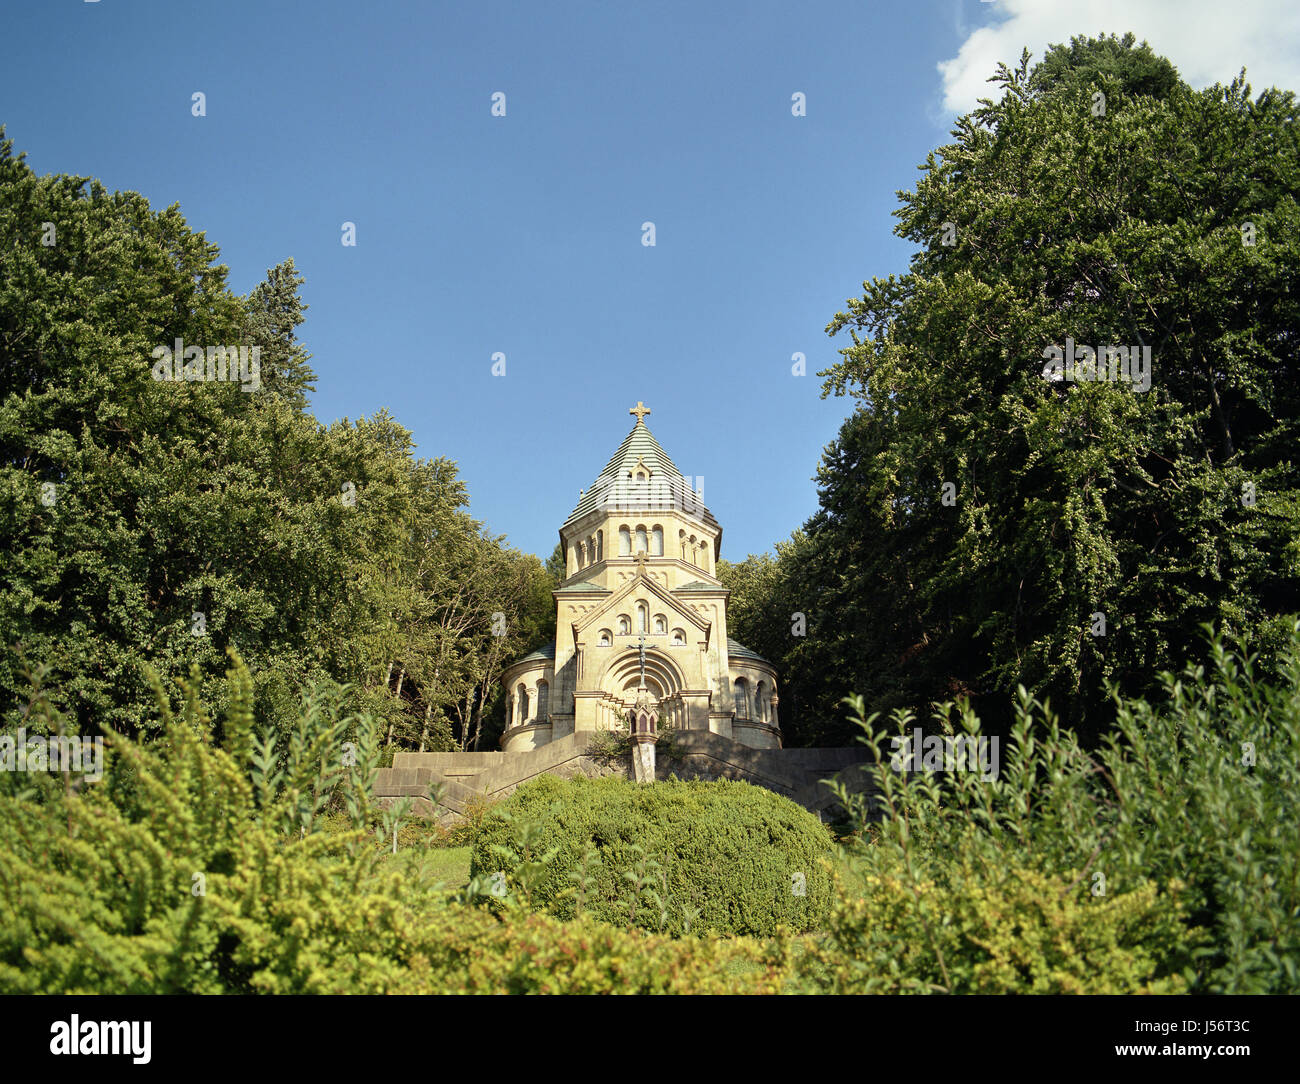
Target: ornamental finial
640,410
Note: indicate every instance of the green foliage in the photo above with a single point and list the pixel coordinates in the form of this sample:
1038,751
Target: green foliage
999,931
716,856
1086,63
313,550
610,743
617,742
555,564
1169,859
191,868
469,951
464,831
1160,510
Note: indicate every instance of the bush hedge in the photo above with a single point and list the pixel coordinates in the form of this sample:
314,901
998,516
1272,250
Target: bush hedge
1168,859
723,857
193,867
1000,931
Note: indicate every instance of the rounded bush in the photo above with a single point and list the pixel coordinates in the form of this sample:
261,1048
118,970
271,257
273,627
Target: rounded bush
680,857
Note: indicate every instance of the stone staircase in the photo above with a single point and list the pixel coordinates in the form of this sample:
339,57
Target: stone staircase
797,774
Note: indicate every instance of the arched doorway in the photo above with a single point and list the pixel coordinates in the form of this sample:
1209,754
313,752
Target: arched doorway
621,683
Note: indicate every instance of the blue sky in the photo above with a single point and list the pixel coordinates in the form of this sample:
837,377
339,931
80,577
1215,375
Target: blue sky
522,234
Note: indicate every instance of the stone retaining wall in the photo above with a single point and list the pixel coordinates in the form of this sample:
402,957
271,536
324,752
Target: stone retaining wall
697,754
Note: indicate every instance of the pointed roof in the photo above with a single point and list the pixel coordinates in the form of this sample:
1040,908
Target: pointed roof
616,486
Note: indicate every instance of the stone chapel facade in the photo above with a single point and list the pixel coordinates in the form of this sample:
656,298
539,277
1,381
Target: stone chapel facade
641,553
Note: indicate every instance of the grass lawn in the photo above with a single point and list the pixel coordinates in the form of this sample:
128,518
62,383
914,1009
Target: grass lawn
448,866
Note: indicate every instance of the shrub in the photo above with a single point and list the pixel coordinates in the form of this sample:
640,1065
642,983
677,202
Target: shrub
468,950
461,833
1169,858
99,893
675,856
998,931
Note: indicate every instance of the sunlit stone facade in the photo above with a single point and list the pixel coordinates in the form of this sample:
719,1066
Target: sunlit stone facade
641,553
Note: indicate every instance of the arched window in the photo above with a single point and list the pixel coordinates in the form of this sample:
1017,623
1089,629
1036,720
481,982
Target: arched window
658,535
624,542
591,549
640,539
543,694
600,545
642,610
742,699
679,638
704,555
624,625
758,703
661,623
605,638
521,701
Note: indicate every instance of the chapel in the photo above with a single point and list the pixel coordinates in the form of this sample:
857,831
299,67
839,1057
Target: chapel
641,618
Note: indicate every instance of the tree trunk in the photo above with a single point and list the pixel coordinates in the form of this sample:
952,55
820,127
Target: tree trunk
428,705
424,734
400,678
469,712
1221,420
489,679
478,713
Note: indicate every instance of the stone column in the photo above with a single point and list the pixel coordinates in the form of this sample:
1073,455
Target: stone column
643,760
645,720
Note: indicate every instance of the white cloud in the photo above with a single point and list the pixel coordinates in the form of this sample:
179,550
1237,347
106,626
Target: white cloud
1208,41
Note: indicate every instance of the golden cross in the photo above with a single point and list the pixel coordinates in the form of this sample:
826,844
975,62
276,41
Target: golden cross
640,410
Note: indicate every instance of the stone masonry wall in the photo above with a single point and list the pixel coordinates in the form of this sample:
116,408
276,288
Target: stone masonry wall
795,773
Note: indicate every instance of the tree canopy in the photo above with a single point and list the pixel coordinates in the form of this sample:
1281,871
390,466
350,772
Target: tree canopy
986,520
163,521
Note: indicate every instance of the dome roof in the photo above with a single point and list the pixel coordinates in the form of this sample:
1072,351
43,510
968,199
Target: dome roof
546,651
618,489
737,650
